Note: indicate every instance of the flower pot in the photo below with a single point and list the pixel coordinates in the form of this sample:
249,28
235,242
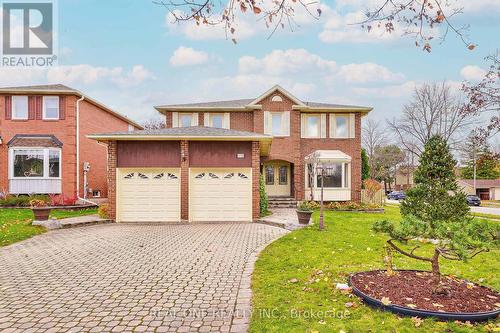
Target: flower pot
41,213
304,216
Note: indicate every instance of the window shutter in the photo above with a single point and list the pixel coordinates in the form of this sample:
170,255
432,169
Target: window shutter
303,125
227,120
323,125
332,125
8,107
194,119
175,119
285,123
206,119
31,107
267,123
352,125
39,107
62,107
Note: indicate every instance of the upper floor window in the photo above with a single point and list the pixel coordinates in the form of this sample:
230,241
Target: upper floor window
217,120
185,119
277,123
20,107
313,125
50,107
342,126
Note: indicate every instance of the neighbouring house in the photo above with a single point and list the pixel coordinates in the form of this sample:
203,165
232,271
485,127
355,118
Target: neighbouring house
486,189
404,178
205,165
43,143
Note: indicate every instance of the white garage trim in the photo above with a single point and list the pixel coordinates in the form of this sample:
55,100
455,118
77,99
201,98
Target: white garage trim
148,195
220,194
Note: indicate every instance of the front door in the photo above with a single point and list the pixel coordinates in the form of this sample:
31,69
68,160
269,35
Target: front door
277,179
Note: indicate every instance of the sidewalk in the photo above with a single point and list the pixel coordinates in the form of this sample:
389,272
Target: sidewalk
285,218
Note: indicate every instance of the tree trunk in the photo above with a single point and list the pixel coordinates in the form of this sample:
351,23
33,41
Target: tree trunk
435,264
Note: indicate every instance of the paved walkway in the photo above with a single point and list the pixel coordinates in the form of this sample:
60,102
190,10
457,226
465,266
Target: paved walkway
132,277
71,222
283,217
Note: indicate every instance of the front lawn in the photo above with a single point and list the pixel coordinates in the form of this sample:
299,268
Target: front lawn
15,224
295,277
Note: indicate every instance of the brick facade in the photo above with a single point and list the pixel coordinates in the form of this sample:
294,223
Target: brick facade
111,177
93,119
185,180
255,180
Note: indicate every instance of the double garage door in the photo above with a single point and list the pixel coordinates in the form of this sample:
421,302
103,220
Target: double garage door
154,195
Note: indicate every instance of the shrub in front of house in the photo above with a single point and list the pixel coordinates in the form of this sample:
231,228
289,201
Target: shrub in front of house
22,200
103,211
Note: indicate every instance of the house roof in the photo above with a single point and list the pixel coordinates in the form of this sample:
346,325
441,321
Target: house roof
194,133
61,89
481,183
328,156
252,103
177,133
35,140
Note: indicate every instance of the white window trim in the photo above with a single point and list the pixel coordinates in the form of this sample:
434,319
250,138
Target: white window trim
285,123
45,162
13,106
304,119
333,125
315,178
44,112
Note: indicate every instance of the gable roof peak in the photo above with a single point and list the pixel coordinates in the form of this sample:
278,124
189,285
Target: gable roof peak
282,90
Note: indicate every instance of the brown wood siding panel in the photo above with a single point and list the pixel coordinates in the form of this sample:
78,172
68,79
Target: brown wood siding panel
148,154
219,154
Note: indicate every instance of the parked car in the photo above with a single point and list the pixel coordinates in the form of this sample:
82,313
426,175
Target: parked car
473,200
396,195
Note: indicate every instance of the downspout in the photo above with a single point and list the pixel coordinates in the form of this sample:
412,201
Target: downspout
78,151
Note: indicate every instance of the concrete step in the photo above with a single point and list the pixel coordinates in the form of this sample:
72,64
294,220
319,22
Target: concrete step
282,202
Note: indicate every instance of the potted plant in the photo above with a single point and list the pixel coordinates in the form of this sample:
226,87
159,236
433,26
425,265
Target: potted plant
40,209
305,210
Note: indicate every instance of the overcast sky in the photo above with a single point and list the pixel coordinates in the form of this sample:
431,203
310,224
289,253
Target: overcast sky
128,55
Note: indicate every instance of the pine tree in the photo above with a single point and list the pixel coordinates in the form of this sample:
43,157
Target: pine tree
436,209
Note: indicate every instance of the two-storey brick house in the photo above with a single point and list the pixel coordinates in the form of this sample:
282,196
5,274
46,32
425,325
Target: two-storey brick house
43,143
205,165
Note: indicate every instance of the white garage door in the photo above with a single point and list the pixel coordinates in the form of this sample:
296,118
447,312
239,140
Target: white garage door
220,194
148,195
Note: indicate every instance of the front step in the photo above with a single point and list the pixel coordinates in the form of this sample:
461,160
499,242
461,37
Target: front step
282,202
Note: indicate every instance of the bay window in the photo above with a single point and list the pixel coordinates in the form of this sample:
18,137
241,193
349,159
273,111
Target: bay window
20,107
36,163
50,107
336,175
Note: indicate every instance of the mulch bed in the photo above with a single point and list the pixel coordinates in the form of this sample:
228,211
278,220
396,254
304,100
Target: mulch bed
413,289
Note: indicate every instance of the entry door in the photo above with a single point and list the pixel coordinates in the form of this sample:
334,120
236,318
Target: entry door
277,178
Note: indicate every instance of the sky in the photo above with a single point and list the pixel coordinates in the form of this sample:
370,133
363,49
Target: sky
129,55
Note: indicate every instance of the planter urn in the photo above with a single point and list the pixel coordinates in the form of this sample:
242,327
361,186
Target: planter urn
304,216
41,213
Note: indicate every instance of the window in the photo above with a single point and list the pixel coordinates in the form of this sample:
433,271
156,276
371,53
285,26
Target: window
51,107
269,175
341,126
185,120
217,120
19,107
283,175
312,127
54,163
337,176
276,124
39,163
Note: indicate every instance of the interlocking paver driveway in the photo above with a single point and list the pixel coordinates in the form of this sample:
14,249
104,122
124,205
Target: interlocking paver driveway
126,277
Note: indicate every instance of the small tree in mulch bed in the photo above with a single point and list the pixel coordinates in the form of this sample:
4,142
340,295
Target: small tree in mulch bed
436,209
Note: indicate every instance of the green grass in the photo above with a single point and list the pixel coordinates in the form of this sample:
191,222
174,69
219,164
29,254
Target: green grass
487,216
15,224
348,245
